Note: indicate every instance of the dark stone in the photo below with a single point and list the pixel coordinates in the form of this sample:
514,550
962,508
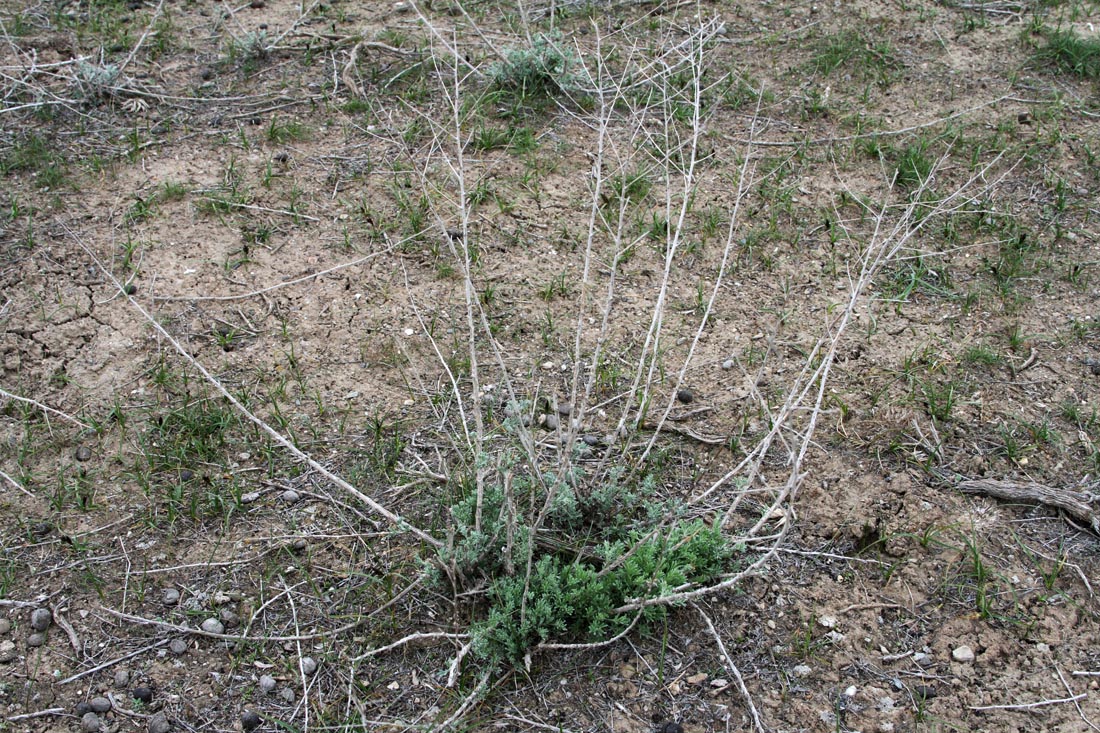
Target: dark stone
250,720
144,694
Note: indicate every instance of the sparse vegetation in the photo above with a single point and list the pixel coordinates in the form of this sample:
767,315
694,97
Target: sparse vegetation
549,367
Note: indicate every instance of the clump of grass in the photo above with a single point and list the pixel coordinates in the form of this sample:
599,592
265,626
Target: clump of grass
543,69
851,49
1072,54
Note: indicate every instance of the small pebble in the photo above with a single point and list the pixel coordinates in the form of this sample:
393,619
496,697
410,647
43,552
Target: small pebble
229,618
41,618
171,597
565,410
159,723
83,453
267,683
81,709
122,678
670,727
287,695
99,704
827,621
250,720
5,625
41,529
309,666
143,694
187,474
592,440
685,396
728,364
250,497
89,722
963,654
7,651
290,496
213,626
801,670
550,422
924,692
36,639
298,545
177,646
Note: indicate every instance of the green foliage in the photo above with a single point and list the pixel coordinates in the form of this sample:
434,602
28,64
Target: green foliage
1072,54
577,600
33,154
852,50
601,545
543,69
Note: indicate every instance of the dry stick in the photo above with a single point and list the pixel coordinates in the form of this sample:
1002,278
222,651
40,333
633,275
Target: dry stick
1077,705
141,41
423,636
1073,503
298,646
399,522
43,408
467,703
60,620
277,286
1031,705
228,637
732,668
37,714
16,484
112,662
687,194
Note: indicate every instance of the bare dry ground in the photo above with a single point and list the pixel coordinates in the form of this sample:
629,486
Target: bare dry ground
574,366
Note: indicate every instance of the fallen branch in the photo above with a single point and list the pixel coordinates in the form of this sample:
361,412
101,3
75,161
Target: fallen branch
1074,503
1030,705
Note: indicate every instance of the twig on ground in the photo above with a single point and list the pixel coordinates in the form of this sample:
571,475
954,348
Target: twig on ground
756,722
1030,705
1074,503
16,484
1076,704
112,662
411,638
44,408
37,714
60,620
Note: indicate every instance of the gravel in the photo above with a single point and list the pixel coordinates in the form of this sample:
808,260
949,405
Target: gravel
290,496
963,654
177,647
36,639
5,625
171,597
267,683
309,666
99,704
89,723
7,651
122,678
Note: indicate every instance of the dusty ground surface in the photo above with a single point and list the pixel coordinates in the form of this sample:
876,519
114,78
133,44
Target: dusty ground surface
316,202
